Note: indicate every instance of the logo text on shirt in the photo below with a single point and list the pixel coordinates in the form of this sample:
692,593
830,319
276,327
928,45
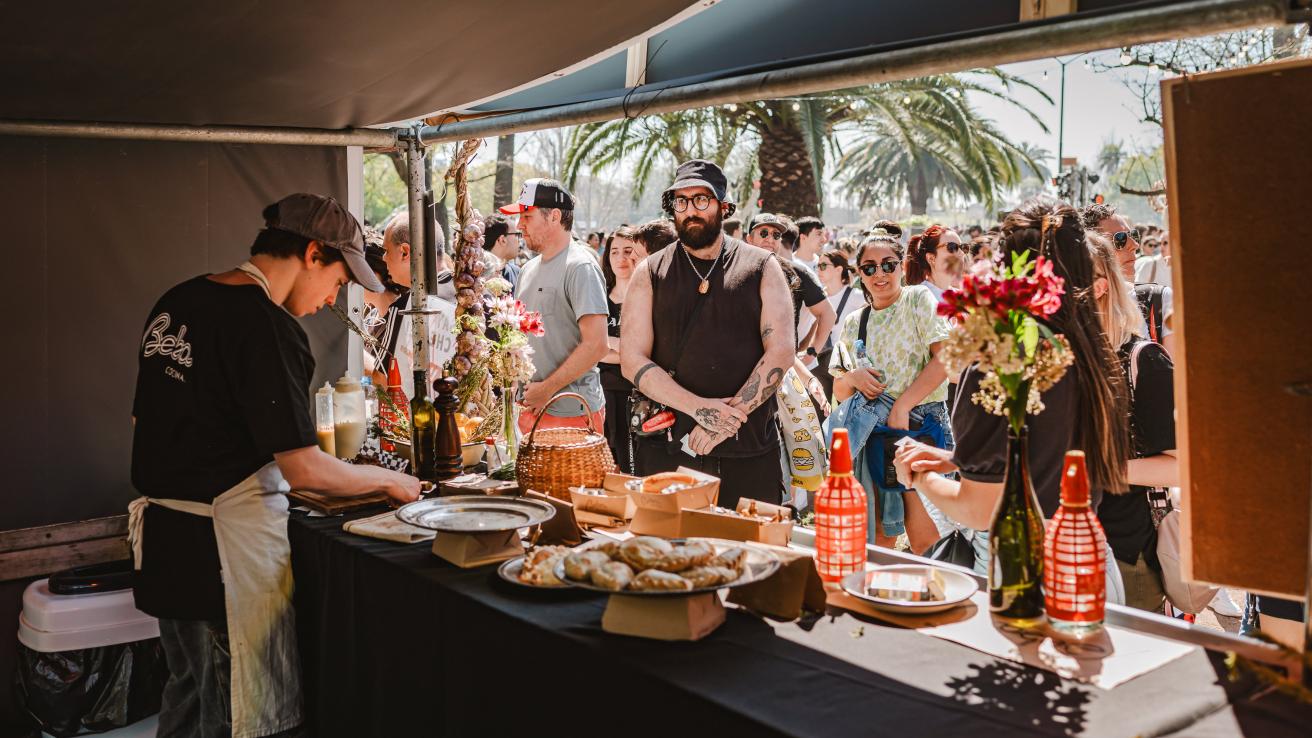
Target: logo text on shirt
157,341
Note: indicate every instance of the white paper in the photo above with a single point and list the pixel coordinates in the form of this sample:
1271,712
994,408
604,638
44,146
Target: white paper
686,448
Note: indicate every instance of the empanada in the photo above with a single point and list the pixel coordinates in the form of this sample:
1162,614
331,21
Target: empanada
700,552
709,576
644,552
684,557
579,565
654,580
734,558
612,575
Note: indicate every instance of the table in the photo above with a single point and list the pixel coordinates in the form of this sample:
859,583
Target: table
396,642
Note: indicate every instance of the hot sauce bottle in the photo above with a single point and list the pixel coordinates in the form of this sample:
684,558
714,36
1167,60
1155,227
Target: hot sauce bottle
840,515
1075,557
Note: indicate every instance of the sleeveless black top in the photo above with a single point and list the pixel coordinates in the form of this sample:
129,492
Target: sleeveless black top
723,345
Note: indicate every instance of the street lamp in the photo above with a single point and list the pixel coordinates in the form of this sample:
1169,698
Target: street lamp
1061,106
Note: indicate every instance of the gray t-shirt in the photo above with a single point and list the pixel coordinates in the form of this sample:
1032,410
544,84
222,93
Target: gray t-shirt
564,288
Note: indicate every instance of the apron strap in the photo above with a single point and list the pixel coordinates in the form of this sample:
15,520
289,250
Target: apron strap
137,519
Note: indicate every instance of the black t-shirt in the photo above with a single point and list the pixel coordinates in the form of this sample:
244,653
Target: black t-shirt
1127,519
981,438
223,383
808,291
612,379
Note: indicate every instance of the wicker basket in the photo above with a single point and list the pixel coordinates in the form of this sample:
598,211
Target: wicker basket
554,459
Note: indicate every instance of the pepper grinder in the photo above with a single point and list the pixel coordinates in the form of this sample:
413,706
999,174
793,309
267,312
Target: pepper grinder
449,456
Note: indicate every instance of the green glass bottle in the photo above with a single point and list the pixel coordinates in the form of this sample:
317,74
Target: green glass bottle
423,432
1016,543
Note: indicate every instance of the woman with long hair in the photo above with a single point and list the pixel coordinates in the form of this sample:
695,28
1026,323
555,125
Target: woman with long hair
889,383
835,273
936,258
1085,410
623,252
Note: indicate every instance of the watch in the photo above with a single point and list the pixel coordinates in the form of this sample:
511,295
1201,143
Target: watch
810,351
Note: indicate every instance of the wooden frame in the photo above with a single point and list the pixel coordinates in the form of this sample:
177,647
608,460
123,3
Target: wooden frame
32,552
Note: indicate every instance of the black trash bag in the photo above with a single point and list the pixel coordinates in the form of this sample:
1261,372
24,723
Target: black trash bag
91,690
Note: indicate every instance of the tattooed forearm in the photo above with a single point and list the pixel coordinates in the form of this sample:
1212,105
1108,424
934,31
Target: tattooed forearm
713,420
766,331
773,380
637,378
750,390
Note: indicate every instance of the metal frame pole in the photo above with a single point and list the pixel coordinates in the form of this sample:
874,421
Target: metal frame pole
1069,35
415,163
378,138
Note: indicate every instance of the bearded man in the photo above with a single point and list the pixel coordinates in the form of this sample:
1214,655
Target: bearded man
708,333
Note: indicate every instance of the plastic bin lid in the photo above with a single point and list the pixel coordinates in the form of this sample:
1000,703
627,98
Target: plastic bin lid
51,622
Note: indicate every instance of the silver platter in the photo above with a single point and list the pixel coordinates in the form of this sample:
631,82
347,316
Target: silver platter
759,565
510,570
475,513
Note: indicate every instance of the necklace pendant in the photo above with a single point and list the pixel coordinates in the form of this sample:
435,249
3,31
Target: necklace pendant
704,287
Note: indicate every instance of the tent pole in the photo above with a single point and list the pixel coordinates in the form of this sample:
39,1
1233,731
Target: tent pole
414,165
379,138
1066,35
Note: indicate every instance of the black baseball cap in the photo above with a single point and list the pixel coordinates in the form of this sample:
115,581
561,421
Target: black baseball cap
701,173
327,221
540,193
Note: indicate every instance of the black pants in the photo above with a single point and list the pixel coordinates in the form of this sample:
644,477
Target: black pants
617,428
754,477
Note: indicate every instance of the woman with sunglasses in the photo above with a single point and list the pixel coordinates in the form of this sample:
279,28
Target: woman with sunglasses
835,275
937,259
888,382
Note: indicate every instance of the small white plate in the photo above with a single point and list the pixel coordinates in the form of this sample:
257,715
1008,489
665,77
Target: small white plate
957,587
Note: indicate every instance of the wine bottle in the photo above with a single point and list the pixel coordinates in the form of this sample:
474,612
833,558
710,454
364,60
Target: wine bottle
840,515
1075,557
1016,543
423,432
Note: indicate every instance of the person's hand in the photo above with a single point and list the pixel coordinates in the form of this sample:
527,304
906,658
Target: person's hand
865,381
917,457
899,417
399,488
817,392
718,416
702,441
536,396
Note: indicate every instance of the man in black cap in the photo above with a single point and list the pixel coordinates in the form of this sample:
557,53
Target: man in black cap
563,282
222,429
708,332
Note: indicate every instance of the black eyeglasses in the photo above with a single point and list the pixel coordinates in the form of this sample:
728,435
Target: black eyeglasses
952,247
701,202
764,232
871,270
1121,238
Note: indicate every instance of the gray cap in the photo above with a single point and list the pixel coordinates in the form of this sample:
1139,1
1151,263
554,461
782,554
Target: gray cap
325,220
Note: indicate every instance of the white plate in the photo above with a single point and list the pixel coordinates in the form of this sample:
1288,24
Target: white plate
957,587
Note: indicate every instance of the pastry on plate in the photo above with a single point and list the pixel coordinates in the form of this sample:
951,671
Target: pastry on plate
685,557
579,564
612,575
644,552
665,480
709,576
539,567
734,558
701,552
655,580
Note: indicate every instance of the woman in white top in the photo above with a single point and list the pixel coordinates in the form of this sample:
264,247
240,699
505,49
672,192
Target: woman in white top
835,274
937,259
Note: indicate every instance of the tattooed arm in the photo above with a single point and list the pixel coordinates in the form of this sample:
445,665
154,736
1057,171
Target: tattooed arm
777,337
654,382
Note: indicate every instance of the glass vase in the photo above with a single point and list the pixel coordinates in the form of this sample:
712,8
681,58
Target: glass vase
509,430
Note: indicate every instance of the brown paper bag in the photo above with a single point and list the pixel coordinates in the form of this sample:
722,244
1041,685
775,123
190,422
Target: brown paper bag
563,529
795,587
687,618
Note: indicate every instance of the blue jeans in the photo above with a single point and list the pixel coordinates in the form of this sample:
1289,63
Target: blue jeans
197,702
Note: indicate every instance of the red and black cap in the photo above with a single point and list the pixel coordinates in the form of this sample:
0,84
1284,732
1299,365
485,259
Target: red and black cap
540,193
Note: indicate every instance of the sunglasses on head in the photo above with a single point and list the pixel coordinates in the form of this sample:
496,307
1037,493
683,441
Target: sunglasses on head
871,270
1121,238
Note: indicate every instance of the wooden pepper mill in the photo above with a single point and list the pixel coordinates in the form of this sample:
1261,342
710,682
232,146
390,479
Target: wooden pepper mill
449,454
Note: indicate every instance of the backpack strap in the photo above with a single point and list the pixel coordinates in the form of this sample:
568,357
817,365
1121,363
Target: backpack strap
861,329
1134,362
1150,304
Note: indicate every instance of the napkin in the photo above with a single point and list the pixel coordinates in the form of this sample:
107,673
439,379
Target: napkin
388,527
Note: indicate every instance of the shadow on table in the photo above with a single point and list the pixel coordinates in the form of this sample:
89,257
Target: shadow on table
1003,686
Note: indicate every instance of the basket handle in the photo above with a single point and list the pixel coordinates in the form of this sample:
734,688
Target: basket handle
552,401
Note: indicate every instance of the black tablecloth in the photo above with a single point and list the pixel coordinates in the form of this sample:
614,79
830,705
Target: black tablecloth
396,642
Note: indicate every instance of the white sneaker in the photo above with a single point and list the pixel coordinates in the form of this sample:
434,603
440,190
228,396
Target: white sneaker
1223,603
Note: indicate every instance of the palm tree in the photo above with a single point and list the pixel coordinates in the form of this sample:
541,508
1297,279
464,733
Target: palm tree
1034,164
793,140
1111,156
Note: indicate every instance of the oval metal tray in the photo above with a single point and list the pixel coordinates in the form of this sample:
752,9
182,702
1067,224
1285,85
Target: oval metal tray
510,570
760,565
958,588
475,513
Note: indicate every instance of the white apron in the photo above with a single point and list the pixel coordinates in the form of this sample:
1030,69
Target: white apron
250,526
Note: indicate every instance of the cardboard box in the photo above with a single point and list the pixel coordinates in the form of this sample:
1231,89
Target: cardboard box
662,514
468,550
687,618
740,524
612,501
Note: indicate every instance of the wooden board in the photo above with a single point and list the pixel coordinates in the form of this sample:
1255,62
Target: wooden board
1239,176
29,552
336,505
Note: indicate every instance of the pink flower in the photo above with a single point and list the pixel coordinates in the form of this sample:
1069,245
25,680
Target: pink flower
531,323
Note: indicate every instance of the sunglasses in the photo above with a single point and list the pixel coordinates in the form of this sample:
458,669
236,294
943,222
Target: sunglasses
1121,238
952,247
871,270
769,233
701,202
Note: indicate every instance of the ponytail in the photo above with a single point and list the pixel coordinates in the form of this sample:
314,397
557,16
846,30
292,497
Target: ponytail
918,250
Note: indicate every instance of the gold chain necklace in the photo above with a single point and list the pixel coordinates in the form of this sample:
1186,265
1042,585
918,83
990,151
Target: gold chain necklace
705,286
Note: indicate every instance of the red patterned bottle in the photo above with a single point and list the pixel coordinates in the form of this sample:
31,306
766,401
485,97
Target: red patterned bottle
1075,557
840,516
390,413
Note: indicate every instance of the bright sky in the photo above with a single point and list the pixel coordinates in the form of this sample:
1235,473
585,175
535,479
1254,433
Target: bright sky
1097,105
